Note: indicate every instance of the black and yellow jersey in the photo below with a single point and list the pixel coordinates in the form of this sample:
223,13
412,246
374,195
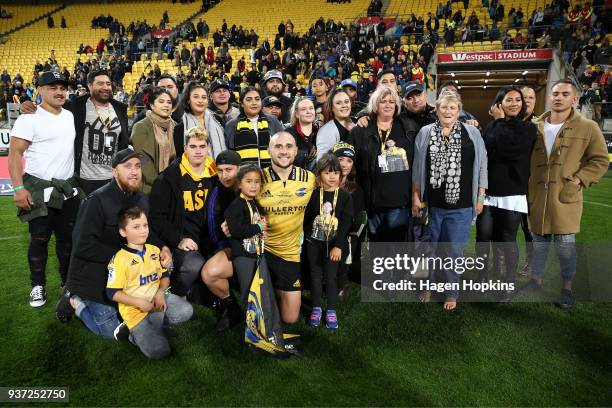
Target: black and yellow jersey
283,204
136,273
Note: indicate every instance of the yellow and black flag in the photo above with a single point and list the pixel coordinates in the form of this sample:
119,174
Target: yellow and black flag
263,324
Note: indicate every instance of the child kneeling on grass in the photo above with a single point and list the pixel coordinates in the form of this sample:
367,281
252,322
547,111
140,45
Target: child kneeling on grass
328,218
139,284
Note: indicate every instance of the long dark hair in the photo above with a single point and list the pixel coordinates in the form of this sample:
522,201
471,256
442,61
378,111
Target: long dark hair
350,184
501,94
328,106
192,86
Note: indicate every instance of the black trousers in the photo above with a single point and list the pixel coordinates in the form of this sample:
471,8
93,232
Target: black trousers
244,269
495,225
318,259
528,237
187,268
60,223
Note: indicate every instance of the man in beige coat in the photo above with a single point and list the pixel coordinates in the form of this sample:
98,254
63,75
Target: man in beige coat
570,155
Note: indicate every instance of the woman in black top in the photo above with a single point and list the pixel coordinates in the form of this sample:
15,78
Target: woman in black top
384,151
509,140
304,131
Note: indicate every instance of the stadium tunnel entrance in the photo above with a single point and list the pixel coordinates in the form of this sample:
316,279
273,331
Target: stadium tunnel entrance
480,75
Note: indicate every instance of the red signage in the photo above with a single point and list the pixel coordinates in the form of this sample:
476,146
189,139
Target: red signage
162,33
494,56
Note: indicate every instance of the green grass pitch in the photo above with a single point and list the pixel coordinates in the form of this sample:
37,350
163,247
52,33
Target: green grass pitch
383,354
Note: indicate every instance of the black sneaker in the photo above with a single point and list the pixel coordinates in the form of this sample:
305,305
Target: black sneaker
230,314
532,286
63,308
121,333
38,297
566,300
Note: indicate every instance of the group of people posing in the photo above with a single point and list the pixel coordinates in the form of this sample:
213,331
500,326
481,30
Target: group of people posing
200,190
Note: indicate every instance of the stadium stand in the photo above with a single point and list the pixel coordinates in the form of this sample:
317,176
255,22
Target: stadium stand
21,15
35,42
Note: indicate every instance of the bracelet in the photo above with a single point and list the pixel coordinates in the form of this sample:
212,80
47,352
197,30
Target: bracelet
15,188
260,226
481,197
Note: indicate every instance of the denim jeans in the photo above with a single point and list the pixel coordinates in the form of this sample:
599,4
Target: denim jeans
390,225
451,227
99,318
565,246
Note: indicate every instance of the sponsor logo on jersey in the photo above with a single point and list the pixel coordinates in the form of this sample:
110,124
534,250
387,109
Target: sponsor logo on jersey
134,262
300,192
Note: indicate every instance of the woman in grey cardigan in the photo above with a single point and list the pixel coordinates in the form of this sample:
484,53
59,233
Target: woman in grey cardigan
449,177
338,123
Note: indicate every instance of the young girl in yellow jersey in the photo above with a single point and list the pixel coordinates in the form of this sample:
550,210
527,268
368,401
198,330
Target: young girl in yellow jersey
327,221
247,228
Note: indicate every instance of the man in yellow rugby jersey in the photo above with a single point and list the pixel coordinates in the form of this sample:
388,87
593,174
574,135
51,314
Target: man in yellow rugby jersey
283,199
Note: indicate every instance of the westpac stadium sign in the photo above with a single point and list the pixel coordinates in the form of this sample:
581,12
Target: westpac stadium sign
494,56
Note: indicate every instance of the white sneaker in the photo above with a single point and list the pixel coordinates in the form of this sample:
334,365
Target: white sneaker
37,296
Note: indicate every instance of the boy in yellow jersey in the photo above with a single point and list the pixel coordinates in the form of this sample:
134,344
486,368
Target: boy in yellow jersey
284,196
138,283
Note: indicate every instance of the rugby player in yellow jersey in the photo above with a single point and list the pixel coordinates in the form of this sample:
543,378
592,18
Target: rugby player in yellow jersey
284,196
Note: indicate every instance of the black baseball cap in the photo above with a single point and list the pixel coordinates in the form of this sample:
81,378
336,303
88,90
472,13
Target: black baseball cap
272,100
123,155
218,83
413,86
51,77
344,150
228,157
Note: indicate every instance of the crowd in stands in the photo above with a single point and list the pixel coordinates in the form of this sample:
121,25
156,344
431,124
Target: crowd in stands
4,13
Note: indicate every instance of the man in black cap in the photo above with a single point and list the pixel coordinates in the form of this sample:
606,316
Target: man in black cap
101,125
415,102
97,239
218,268
220,105
272,106
351,89
45,194
273,85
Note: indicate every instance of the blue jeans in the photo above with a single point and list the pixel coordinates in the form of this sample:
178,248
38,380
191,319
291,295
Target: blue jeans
390,225
565,246
99,318
450,226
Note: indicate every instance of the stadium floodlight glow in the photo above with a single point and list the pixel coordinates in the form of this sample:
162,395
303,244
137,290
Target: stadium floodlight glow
459,87
486,81
484,87
488,73
516,80
456,81
453,74
525,73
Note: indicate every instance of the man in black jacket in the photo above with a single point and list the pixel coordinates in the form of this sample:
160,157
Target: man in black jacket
101,125
96,239
177,209
273,85
415,104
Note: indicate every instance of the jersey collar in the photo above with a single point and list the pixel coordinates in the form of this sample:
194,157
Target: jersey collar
276,177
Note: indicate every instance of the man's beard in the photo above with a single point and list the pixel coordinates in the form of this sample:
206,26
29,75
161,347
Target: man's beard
275,93
128,187
99,98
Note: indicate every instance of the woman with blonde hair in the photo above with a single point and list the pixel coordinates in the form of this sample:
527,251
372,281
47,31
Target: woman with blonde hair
304,130
384,151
